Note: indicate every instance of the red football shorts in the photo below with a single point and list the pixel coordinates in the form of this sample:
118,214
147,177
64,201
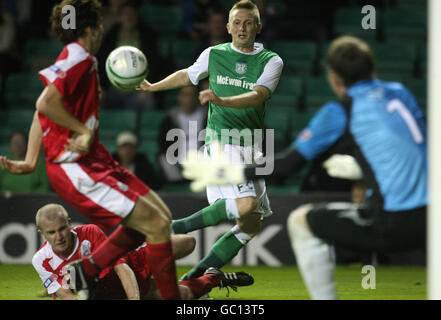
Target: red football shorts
101,189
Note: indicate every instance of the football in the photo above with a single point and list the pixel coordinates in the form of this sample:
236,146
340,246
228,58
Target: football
126,67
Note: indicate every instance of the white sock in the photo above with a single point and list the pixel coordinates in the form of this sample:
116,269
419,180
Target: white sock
232,209
314,261
240,235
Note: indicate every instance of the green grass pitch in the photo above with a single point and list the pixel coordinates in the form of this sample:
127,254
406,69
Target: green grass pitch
21,282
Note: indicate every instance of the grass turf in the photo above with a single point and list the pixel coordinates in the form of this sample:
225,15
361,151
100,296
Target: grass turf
21,282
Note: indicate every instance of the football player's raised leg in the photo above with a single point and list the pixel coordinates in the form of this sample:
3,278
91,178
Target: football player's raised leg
227,247
183,245
154,199
147,221
149,218
246,205
220,210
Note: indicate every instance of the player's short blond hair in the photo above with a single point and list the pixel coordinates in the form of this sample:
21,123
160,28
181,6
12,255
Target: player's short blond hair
51,212
246,4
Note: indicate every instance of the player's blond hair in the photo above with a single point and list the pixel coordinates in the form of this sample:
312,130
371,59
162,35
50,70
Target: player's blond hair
50,212
246,4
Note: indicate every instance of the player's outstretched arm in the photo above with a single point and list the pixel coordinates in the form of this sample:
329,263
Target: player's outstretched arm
176,80
128,281
285,163
35,141
50,104
205,171
291,161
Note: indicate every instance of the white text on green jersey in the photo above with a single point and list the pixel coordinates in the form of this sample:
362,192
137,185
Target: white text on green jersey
226,80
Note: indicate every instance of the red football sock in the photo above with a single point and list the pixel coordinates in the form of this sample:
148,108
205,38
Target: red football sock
119,243
161,262
202,285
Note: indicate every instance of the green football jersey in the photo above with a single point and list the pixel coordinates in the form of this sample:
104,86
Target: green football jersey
232,73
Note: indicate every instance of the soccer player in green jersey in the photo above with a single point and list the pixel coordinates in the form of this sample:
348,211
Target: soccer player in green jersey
242,77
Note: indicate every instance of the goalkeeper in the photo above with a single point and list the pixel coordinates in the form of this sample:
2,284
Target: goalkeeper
383,128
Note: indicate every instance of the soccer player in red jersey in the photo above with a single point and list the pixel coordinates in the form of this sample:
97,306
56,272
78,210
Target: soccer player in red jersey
128,278
80,169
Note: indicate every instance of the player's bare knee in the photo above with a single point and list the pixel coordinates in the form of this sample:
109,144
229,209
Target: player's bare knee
246,205
148,219
250,224
155,200
251,231
183,245
160,223
190,244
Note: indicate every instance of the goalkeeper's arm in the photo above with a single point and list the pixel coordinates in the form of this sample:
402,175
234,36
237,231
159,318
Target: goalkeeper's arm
291,161
286,163
204,172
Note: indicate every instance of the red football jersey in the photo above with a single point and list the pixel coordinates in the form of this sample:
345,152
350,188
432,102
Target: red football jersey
49,264
75,76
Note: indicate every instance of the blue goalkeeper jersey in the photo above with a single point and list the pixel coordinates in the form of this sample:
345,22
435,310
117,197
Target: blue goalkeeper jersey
382,126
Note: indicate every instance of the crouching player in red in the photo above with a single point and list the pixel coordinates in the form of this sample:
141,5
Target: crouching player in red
80,169
128,278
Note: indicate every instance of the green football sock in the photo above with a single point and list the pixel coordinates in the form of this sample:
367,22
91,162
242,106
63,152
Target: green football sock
222,252
212,215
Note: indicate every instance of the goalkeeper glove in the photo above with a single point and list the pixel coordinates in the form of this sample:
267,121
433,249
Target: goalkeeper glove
343,166
206,171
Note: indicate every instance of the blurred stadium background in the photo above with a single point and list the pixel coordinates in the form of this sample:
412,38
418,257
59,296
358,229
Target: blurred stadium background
299,31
